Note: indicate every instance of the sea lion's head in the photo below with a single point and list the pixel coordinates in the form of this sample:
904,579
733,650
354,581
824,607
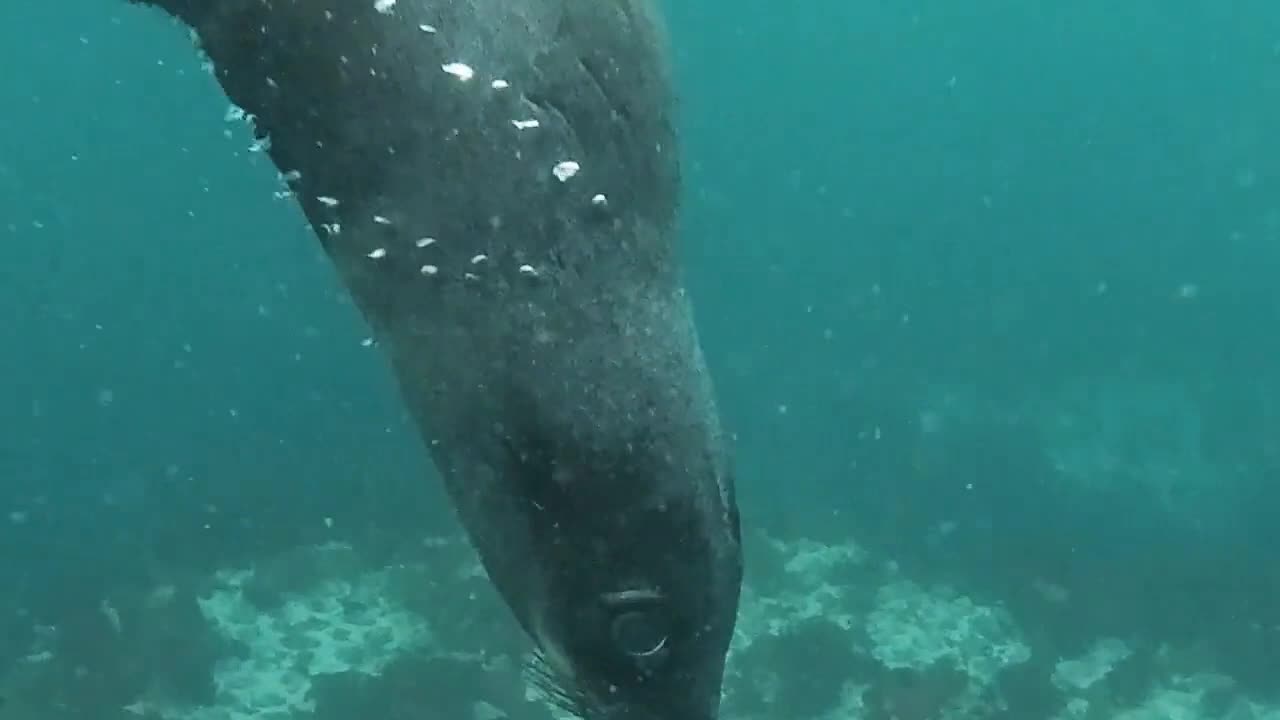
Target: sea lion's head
638,539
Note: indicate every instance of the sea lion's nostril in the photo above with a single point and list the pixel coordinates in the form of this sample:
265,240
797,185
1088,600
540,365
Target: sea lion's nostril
640,633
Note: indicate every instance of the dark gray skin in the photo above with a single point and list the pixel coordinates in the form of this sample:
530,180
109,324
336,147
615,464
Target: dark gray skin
558,380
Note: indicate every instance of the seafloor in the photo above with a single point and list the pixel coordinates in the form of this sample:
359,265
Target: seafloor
832,632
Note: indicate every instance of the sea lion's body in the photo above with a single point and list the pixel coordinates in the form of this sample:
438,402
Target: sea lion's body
534,317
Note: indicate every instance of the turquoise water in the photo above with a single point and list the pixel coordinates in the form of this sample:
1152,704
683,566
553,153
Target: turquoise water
987,288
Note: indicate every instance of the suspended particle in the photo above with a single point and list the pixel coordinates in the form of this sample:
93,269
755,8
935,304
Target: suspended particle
367,342
462,71
565,170
332,228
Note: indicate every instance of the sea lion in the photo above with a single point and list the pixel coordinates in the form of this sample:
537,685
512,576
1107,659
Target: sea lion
496,183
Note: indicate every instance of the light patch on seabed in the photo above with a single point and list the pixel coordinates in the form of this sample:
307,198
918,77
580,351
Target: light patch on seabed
345,624
351,624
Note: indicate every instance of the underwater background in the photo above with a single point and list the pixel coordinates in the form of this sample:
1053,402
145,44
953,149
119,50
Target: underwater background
988,290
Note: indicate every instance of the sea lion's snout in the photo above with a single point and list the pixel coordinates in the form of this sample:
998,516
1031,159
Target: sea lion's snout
634,656
643,634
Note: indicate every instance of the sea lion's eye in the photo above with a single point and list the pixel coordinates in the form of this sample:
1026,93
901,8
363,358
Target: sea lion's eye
641,634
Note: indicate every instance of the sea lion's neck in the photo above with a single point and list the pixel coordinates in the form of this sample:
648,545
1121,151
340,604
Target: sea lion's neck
424,140
310,84
459,114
